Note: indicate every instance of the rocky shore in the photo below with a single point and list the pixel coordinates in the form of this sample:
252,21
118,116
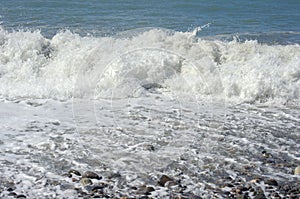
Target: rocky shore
89,184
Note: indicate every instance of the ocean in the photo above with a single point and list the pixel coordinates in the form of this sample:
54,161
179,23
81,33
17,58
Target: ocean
162,99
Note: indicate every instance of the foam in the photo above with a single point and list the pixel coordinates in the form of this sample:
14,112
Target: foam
69,65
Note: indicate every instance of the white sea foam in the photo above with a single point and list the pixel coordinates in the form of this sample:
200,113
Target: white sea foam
68,65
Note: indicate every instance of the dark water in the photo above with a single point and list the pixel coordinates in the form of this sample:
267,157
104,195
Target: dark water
278,20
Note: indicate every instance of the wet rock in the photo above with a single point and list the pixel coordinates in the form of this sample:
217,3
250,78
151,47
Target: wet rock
151,86
297,170
260,196
67,175
149,147
114,175
21,196
170,184
98,188
91,175
86,181
9,189
193,196
241,189
271,182
12,194
241,196
75,172
266,154
56,123
256,180
179,197
163,180
145,190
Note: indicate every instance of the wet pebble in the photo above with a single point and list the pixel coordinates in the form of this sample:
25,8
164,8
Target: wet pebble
271,182
86,181
10,189
260,196
21,196
75,172
145,190
12,194
297,170
91,175
163,180
149,147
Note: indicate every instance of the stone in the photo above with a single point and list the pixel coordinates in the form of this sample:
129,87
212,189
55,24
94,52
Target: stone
114,175
97,187
75,172
271,182
149,147
67,175
56,123
86,181
297,170
163,180
170,184
145,190
260,196
151,86
20,196
12,194
91,175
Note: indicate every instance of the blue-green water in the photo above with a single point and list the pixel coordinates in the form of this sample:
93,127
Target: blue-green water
277,19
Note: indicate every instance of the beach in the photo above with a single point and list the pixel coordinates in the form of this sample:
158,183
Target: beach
189,100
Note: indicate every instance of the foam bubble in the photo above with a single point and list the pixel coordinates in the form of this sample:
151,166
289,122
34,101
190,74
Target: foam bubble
68,65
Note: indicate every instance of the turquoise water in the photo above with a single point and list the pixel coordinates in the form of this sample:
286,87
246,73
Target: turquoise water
259,18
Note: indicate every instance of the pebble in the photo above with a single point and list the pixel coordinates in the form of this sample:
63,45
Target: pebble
163,180
21,196
271,182
12,194
91,175
149,147
297,170
86,181
260,196
73,171
145,190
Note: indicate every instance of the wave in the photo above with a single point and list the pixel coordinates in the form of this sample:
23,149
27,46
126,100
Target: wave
136,62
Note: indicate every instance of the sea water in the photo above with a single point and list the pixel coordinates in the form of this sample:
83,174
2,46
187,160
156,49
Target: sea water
197,90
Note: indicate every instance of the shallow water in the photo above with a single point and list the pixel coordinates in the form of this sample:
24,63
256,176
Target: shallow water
142,138
210,98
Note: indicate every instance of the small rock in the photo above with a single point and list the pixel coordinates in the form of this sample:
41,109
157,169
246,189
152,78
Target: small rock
260,196
254,180
97,187
271,182
10,189
67,175
170,184
145,190
151,86
86,181
73,171
266,154
297,170
149,147
241,196
20,196
56,123
12,194
91,175
114,175
74,180
163,180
